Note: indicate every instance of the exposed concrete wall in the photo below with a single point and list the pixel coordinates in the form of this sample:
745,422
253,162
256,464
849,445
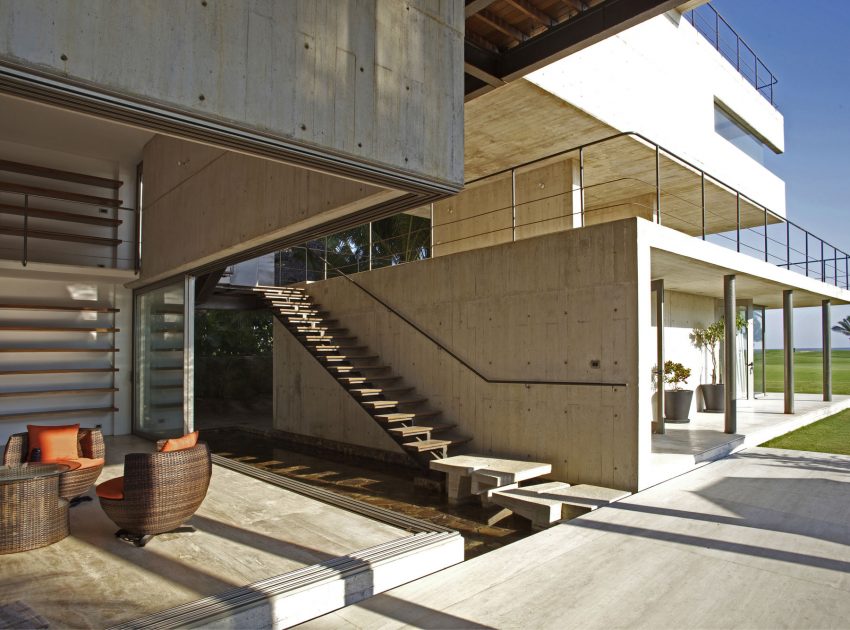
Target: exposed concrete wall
377,80
661,78
201,203
539,309
489,212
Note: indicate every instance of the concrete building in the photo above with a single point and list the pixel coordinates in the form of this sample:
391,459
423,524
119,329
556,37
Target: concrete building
589,176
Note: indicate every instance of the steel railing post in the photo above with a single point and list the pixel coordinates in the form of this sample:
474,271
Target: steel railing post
513,204
807,252
788,243
702,194
658,183
738,54
326,258
738,220
370,246
717,30
26,228
822,264
581,183
766,257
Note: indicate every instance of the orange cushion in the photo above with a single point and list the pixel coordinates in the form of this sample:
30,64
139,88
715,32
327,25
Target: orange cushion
112,489
54,442
84,462
178,444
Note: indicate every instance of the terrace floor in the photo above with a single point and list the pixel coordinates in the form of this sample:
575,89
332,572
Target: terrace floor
246,530
685,446
756,540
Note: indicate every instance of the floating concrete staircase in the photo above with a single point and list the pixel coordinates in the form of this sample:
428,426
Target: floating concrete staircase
402,413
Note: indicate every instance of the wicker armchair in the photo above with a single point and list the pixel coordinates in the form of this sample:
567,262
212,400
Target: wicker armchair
161,491
73,483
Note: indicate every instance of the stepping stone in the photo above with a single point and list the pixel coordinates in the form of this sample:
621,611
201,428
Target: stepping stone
535,502
460,471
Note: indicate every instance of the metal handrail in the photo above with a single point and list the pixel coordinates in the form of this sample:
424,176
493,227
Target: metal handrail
441,346
713,37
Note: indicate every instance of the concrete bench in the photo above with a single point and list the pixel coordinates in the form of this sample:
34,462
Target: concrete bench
470,475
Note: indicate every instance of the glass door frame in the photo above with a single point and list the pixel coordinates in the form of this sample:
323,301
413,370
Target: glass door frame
188,358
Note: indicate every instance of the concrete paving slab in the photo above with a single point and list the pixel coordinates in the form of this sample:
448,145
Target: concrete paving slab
758,540
246,530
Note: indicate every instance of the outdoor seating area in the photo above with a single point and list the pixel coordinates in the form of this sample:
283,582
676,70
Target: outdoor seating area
244,531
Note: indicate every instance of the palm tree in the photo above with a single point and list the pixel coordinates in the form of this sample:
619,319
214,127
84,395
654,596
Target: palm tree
843,326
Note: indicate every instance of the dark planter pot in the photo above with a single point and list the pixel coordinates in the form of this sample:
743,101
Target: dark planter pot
714,397
677,405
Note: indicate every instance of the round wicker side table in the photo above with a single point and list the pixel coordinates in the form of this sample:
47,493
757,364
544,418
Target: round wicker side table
32,514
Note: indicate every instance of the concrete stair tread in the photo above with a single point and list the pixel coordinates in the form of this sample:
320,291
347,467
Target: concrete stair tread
336,348
582,494
359,380
379,391
316,341
422,446
404,417
357,368
345,357
409,431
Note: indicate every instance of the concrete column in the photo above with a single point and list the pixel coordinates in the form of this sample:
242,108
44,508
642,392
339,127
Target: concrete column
730,368
826,322
658,287
788,336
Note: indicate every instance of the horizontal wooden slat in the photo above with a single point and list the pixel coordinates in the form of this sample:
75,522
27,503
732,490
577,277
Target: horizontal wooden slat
61,236
19,306
59,392
57,413
57,371
56,215
53,173
100,329
31,350
53,193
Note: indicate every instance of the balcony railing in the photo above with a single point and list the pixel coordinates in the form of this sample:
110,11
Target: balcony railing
735,50
620,176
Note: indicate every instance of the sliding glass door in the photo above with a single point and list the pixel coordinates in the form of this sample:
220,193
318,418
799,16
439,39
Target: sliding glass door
164,361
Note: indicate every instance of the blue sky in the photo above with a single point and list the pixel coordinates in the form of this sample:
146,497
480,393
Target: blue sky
807,48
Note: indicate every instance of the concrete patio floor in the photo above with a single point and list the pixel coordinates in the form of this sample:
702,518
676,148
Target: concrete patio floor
686,446
757,540
246,530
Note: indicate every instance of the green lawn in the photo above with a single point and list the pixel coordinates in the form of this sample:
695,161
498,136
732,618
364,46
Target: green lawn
807,371
830,435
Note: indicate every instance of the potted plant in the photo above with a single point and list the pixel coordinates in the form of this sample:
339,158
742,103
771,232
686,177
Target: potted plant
709,338
677,401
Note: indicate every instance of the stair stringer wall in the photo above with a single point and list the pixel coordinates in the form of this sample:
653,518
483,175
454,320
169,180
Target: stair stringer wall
537,309
309,401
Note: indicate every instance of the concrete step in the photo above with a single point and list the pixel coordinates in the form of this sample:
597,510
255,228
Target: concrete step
338,358
425,446
405,417
411,431
546,503
360,380
371,392
335,347
325,339
327,330
342,369
542,512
